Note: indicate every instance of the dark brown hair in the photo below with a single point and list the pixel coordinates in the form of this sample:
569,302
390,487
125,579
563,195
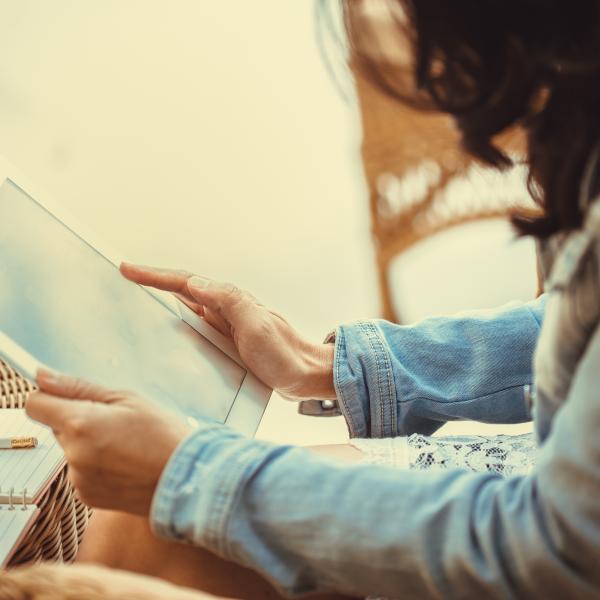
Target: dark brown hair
493,65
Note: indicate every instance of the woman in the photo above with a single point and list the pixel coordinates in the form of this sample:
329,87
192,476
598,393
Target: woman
258,512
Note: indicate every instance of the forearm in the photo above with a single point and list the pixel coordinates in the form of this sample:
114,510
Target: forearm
309,525
396,380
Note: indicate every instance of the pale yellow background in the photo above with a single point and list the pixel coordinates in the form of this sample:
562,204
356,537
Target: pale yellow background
203,135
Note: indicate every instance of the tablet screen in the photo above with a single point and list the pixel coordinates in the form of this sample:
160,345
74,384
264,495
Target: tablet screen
70,308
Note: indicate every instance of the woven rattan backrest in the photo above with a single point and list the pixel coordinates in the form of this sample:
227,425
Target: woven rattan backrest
13,388
411,160
63,518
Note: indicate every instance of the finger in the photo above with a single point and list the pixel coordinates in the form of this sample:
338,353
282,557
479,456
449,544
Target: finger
197,308
219,299
217,321
50,410
169,280
72,388
228,301
210,316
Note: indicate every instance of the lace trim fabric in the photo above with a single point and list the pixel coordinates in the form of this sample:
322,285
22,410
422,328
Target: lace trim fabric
503,454
385,451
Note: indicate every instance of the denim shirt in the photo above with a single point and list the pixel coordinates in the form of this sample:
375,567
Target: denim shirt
308,524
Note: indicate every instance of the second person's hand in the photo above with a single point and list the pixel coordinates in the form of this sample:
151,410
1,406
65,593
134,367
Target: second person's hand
271,348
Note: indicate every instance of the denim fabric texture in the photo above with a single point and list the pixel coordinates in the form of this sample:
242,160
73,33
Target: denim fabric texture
311,525
471,366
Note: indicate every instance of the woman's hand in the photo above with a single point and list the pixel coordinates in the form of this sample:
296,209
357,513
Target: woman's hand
116,443
271,348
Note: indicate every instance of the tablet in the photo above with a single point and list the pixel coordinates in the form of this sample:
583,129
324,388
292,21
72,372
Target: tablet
64,303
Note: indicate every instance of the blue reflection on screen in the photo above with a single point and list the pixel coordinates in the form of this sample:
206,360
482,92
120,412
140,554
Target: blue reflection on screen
71,309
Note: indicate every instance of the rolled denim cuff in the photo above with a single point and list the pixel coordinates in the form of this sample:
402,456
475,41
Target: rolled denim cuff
199,486
364,381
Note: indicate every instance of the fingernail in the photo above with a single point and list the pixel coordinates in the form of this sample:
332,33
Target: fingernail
47,376
198,282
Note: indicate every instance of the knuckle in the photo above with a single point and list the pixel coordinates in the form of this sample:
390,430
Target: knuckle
76,426
183,273
231,289
263,329
234,295
72,386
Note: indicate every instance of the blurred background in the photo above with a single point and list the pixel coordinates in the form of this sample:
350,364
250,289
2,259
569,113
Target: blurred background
209,136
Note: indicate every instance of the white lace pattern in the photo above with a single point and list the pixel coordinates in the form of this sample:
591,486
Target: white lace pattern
504,454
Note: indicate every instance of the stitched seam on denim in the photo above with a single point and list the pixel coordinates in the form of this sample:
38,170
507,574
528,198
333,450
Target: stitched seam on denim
385,369
365,329
506,389
339,342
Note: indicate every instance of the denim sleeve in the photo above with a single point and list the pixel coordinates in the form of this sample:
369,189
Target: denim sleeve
398,380
310,525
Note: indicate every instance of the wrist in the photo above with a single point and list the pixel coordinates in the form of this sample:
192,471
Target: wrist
317,372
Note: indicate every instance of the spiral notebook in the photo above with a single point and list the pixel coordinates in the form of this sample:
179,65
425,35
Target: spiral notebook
24,476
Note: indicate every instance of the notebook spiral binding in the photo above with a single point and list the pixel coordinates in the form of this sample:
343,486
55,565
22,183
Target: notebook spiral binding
11,499
63,518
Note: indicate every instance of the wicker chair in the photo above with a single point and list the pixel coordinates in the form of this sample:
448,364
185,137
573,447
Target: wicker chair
401,145
411,159
63,518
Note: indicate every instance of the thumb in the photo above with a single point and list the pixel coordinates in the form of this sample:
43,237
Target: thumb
72,388
225,299
52,411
